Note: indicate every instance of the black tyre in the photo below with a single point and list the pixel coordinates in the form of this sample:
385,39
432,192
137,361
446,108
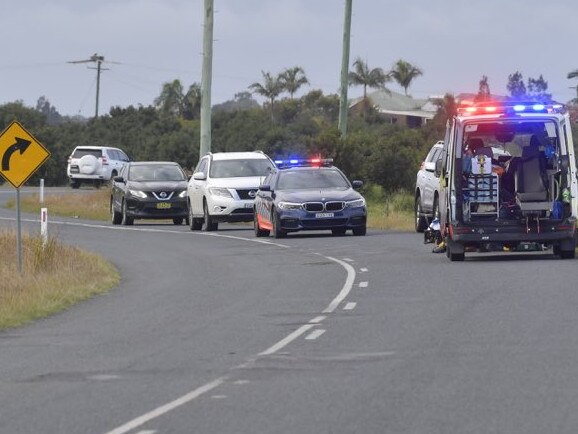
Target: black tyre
258,231
74,184
360,231
455,256
126,220
277,231
420,220
115,216
210,223
178,220
338,231
194,223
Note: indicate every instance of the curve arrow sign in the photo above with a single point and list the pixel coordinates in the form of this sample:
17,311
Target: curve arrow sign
20,145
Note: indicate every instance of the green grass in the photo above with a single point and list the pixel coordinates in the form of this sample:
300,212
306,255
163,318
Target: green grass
54,277
391,211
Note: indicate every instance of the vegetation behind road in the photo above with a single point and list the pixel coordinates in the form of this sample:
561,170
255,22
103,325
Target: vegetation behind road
54,278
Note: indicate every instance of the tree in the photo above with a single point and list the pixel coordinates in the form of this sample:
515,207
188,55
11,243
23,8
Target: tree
270,89
171,98
516,85
292,79
363,76
191,104
447,108
404,73
48,110
537,89
574,74
484,93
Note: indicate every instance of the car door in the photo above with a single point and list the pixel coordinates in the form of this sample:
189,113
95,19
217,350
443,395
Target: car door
430,181
197,186
118,189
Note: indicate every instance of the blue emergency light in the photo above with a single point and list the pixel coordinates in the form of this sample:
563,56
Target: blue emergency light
305,162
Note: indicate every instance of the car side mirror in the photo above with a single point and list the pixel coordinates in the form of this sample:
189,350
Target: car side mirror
118,179
265,187
438,168
199,176
357,184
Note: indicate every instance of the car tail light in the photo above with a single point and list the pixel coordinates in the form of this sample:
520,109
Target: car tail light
104,160
422,165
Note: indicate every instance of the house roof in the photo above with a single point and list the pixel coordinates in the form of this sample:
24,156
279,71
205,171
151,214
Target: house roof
398,104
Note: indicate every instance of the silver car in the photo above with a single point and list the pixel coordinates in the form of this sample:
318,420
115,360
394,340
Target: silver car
427,189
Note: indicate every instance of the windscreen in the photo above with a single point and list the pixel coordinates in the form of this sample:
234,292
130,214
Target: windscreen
155,172
311,179
240,168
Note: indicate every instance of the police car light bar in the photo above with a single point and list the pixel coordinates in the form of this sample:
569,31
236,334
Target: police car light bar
310,162
502,107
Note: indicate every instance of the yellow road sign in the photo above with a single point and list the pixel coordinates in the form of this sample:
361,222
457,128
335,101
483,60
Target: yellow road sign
20,153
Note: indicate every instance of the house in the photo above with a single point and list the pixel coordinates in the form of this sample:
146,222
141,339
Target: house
398,108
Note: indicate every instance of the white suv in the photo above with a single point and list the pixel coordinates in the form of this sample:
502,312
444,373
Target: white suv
427,186
223,188
94,165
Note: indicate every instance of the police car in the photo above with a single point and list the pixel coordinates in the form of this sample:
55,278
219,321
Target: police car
308,195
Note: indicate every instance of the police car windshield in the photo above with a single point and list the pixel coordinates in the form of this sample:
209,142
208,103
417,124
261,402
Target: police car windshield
240,168
155,172
311,179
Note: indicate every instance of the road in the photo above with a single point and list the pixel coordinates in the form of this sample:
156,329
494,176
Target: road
227,333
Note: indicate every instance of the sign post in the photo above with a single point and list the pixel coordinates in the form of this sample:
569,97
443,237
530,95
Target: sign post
21,155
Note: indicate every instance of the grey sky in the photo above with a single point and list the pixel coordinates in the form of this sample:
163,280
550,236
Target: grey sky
455,42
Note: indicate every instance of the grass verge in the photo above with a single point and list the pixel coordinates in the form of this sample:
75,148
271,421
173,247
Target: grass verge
54,278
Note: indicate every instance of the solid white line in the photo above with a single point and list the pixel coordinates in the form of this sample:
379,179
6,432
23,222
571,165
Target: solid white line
167,407
363,284
350,306
146,432
317,319
287,340
346,287
348,259
314,334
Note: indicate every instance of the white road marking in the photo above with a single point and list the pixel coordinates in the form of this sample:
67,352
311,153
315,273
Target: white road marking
363,284
241,382
346,287
348,259
314,334
141,420
317,319
287,340
146,432
350,306
363,270
219,397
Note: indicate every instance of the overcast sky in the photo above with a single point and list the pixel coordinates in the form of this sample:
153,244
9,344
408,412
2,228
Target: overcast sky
454,42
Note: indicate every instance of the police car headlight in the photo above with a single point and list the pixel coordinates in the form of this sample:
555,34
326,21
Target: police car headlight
289,205
222,192
183,193
357,203
138,193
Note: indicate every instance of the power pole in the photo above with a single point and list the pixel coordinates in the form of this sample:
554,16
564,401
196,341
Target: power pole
99,60
206,79
343,106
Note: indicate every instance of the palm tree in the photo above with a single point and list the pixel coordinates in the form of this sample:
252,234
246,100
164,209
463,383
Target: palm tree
293,79
270,89
363,76
404,73
574,74
171,98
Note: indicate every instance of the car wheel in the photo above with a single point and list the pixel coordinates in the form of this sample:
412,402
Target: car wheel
194,223
277,231
338,231
74,184
178,221
210,223
420,220
115,216
360,231
126,220
258,231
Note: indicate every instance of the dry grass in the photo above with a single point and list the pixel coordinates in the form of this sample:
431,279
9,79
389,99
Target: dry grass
54,278
390,212
90,206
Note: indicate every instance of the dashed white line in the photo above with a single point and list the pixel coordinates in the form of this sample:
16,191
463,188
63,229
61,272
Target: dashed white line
317,319
146,432
314,334
350,306
363,284
363,270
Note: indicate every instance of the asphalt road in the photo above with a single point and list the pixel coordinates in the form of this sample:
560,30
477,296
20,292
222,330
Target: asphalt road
226,333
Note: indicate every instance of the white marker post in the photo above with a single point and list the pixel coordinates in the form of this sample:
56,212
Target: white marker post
41,195
44,226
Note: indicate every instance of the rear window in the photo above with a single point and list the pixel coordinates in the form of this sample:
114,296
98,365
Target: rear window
79,153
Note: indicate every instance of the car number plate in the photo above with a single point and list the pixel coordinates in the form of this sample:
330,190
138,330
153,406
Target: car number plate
163,205
324,215
248,205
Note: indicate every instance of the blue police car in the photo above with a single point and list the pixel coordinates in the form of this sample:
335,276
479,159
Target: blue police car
309,195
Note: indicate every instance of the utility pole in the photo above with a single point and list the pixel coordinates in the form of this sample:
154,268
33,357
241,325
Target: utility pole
343,106
206,80
99,60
